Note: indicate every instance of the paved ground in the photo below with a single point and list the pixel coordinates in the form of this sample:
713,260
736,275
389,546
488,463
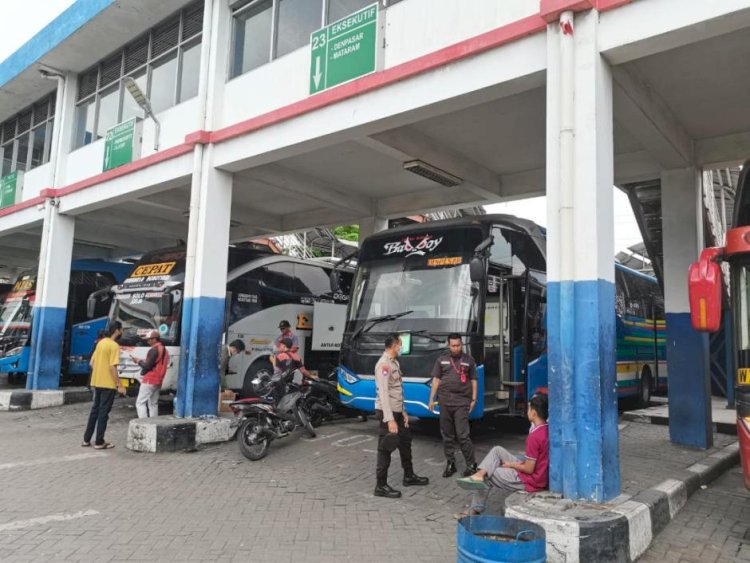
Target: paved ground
713,526
309,500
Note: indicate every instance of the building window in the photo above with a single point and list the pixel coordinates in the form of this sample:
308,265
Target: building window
25,138
267,29
165,63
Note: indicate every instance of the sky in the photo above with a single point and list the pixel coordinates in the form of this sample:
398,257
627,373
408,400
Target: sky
21,19
19,23
535,209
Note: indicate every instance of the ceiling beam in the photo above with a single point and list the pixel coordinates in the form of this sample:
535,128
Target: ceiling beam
136,224
424,202
325,217
641,111
407,143
718,152
293,182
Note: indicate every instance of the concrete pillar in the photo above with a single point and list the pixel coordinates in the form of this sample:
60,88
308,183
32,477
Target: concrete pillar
687,349
371,225
63,128
584,457
53,279
203,309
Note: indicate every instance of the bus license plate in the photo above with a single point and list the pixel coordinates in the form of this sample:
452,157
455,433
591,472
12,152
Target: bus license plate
743,376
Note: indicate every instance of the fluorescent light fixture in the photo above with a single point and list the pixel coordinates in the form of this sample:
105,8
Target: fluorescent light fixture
433,173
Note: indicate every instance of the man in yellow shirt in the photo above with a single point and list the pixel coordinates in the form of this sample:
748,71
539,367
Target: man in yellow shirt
105,381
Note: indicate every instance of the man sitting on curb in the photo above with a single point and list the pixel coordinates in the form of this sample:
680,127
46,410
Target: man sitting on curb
502,469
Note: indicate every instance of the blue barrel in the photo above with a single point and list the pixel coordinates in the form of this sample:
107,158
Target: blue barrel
493,539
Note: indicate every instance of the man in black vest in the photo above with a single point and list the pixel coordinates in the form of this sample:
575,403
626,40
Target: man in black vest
455,376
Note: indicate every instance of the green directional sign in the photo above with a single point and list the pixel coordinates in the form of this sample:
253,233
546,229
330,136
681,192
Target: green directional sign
8,186
344,50
118,144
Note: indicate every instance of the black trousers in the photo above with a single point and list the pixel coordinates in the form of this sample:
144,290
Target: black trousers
99,415
454,426
404,449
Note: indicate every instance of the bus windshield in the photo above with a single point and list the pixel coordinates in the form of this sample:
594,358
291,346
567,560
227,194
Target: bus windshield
140,312
15,321
440,297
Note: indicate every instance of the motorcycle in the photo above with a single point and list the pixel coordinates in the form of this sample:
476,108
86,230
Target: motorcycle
322,400
273,416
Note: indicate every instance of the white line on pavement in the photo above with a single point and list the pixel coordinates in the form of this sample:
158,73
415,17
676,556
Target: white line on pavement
20,524
45,460
320,437
352,441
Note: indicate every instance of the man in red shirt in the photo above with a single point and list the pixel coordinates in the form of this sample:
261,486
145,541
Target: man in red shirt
502,469
153,370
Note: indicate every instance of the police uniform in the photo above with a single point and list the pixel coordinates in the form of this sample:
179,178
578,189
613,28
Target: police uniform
389,405
455,395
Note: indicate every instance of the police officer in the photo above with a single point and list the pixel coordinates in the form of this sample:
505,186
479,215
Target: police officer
455,374
394,423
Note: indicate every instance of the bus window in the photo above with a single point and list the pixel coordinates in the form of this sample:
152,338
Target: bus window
246,296
311,280
621,292
83,284
278,284
515,251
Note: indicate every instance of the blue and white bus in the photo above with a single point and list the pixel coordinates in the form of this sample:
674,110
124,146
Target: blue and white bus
483,277
86,277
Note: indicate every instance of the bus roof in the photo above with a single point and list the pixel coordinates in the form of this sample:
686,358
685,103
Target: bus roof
636,273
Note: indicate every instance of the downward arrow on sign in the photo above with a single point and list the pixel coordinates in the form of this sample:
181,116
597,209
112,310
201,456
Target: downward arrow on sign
317,76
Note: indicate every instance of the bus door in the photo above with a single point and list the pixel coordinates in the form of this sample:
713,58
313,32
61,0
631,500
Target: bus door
534,369
502,337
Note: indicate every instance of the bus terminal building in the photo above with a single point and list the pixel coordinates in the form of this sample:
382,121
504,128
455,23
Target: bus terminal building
128,126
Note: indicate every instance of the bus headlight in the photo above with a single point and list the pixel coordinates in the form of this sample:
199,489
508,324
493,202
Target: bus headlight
348,377
14,351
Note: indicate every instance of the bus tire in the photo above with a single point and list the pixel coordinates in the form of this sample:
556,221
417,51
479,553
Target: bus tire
256,369
644,388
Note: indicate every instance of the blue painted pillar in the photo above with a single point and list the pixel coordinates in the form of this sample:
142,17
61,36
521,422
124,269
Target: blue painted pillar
53,279
688,356
584,456
205,288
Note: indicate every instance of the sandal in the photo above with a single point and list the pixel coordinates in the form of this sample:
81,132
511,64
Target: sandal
472,484
104,446
85,444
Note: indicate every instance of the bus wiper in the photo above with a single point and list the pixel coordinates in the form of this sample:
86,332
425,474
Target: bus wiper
427,335
377,320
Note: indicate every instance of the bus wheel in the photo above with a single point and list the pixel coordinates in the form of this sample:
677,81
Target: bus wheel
644,389
258,369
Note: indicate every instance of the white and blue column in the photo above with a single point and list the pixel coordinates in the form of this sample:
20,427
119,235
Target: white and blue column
584,456
50,307
205,290
687,350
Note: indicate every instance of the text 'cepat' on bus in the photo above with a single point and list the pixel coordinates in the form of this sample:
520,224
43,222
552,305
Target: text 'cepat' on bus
484,278
262,289
81,328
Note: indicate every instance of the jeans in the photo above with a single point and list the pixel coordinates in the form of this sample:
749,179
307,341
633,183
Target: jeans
500,477
99,415
454,426
147,403
404,449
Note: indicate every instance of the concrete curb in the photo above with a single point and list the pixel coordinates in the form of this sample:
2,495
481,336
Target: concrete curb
728,428
24,400
623,529
170,434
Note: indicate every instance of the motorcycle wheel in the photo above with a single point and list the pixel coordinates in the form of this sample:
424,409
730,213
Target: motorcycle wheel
252,447
305,421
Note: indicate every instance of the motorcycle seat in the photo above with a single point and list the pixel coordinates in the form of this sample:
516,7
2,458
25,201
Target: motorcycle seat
249,400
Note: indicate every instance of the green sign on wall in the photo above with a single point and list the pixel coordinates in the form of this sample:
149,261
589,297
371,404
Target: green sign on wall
8,185
118,144
344,50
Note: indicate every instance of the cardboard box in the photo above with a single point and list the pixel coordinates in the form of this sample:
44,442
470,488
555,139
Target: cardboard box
225,398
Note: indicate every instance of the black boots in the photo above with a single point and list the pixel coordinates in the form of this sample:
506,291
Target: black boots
414,479
386,491
450,469
470,470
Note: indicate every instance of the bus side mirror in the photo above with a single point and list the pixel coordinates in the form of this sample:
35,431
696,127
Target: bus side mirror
704,291
333,278
476,269
91,306
165,305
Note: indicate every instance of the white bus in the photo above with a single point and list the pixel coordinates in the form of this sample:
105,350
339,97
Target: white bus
262,290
